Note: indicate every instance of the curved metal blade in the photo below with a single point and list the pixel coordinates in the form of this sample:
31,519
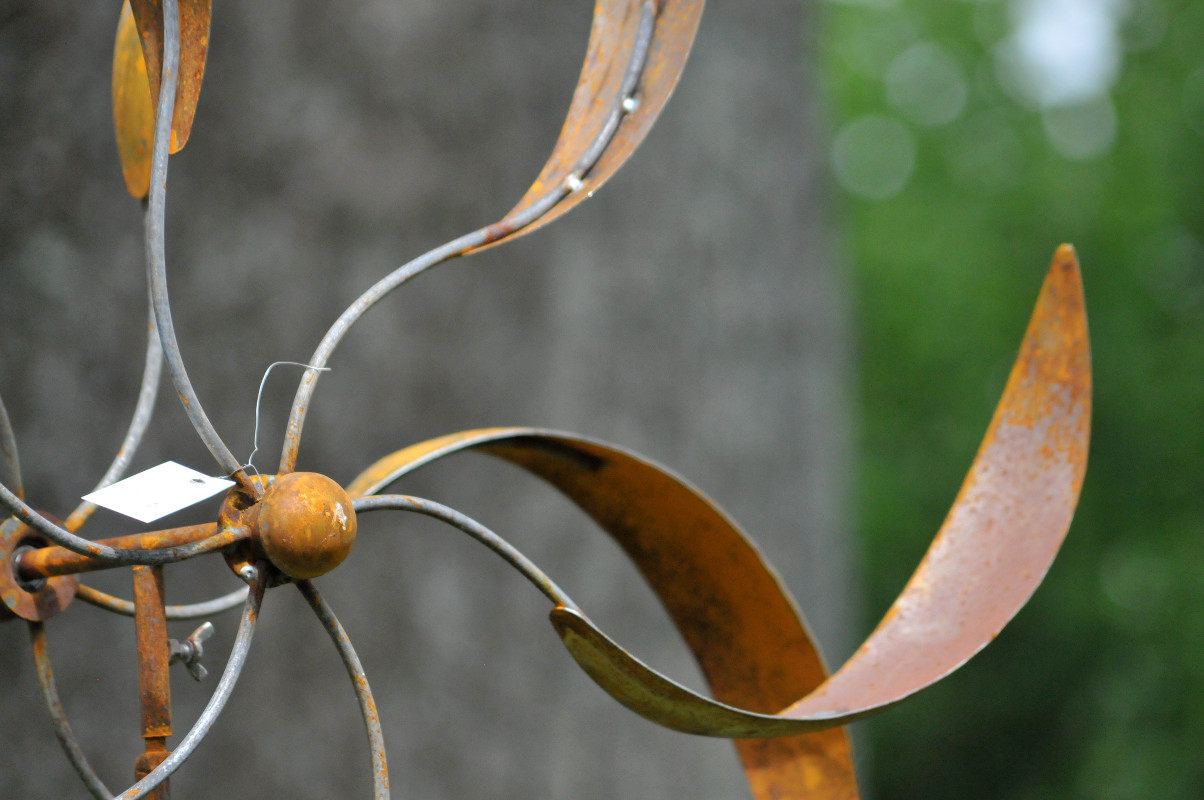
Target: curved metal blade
133,112
599,94
746,633
1004,529
194,47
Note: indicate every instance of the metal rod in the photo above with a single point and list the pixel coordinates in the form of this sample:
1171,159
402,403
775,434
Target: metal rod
631,77
154,682
10,464
104,554
143,411
58,715
156,257
429,508
125,608
359,682
238,657
46,562
457,247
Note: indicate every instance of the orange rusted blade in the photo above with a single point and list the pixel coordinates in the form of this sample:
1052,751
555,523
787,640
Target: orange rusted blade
743,628
194,46
995,546
1006,525
133,114
611,42
1000,537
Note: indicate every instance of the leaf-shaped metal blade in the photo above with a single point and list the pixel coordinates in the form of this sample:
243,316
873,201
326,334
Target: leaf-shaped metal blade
998,541
740,623
194,47
137,71
1006,525
600,100
133,112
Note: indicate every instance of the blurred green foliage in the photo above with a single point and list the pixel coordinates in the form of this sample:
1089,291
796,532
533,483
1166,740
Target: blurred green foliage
959,184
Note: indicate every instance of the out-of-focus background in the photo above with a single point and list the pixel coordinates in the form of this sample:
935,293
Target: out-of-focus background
803,293
969,139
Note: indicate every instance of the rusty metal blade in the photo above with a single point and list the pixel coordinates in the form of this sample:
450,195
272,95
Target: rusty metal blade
998,541
194,46
599,92
1006,525
133,113
746,633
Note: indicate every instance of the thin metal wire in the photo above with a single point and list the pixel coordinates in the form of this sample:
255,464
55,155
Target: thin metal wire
10,464
143,411
359,682
259,397
179,612
58,715
429,508
238,657
156,257
457,247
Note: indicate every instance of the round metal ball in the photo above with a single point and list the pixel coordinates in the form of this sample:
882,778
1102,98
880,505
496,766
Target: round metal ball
305,524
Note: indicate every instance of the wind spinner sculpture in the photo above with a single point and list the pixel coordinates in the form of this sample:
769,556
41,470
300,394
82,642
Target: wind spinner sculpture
772,693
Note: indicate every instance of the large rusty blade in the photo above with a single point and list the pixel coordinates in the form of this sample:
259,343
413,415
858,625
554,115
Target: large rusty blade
1006,525
993,550
743,628
998,541
611,43
194,46
133,112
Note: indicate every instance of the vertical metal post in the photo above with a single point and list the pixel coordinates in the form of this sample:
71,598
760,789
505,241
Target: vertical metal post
154,654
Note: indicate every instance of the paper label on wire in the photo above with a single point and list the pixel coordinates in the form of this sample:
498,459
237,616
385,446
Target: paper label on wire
158,491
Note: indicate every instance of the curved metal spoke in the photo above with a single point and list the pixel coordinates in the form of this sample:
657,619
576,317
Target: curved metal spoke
429,508
156,258
523,217
58,715
10,464
238,657
143,410
359,682
125,608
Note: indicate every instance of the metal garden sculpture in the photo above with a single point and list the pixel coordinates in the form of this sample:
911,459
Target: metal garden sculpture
771,692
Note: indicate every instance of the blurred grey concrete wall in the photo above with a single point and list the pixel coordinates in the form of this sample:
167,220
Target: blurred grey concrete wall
693,311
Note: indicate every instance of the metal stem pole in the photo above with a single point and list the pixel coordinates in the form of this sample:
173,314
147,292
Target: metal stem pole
154,683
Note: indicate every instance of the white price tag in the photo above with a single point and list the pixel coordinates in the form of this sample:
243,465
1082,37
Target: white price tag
158,491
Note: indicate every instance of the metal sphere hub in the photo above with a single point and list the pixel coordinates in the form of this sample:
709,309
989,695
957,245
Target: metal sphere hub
305,524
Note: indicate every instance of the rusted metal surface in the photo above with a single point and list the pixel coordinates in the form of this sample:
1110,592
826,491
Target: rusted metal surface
133,110
194,48
35,599
137,75
771,689
305,524
154,683
221,694
1000,537
599,97
743,628
624,85
47,561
